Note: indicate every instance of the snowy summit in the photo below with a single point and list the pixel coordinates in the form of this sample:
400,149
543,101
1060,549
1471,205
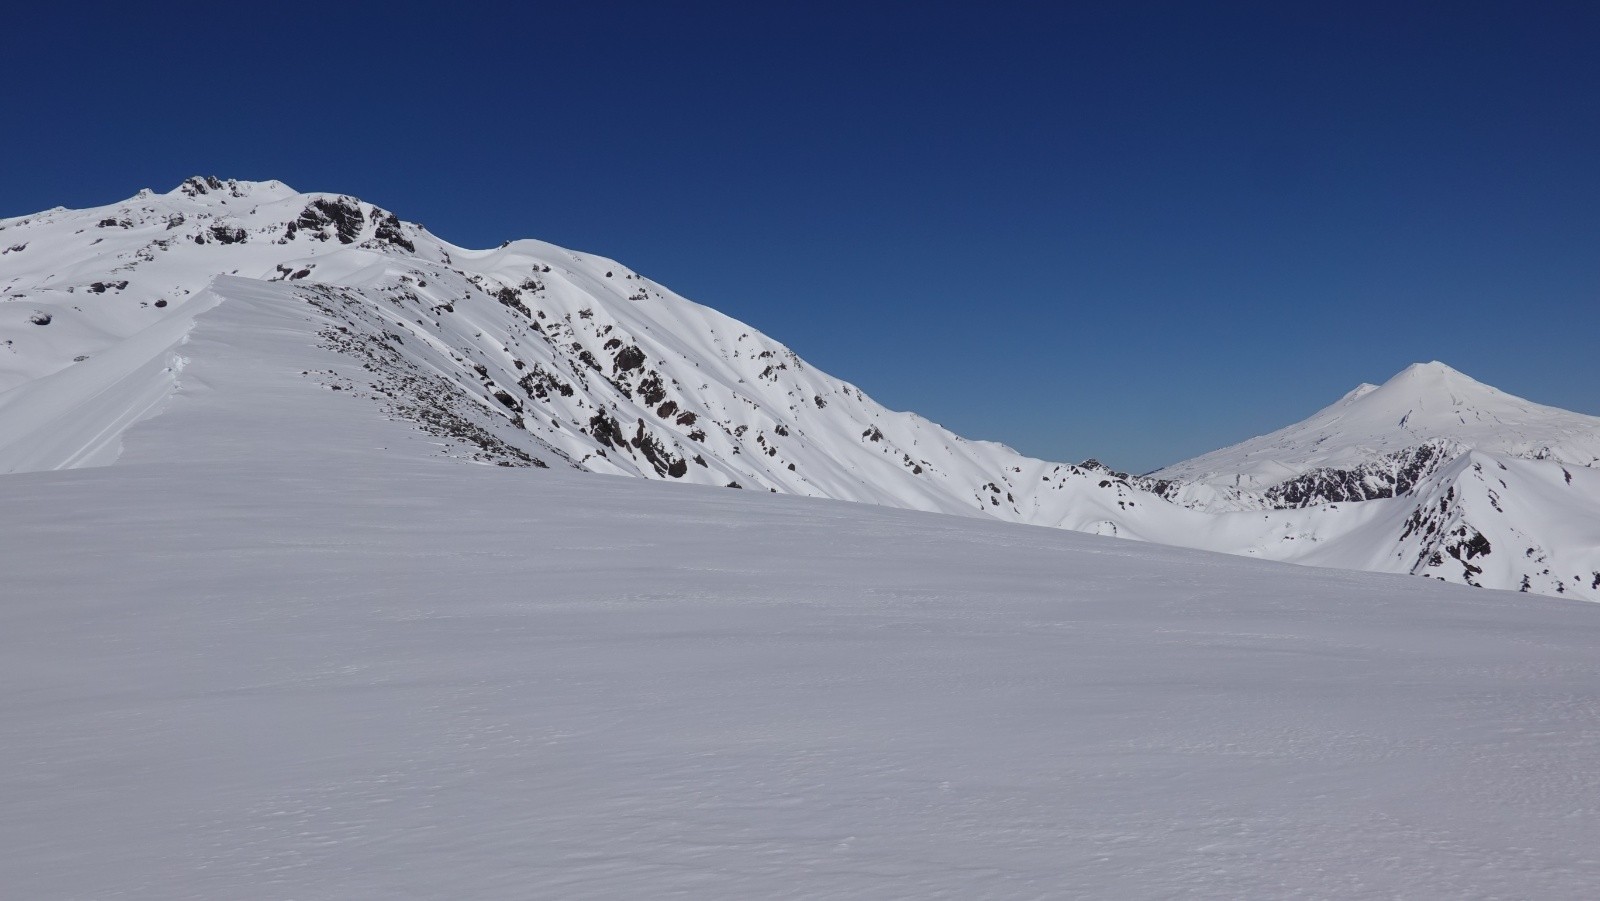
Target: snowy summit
532,355
1427,402
232,309
343,562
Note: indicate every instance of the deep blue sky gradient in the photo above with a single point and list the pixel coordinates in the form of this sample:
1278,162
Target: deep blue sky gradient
1136,231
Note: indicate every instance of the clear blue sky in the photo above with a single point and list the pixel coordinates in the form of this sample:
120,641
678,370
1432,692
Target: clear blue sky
1136,231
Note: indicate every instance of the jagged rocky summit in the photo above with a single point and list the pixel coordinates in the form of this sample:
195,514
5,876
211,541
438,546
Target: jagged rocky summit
231,314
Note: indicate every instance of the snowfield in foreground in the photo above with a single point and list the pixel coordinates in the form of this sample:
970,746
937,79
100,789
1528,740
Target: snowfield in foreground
304,677
268,631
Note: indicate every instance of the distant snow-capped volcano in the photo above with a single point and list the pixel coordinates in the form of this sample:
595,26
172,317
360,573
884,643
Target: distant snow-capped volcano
236,318
1425,403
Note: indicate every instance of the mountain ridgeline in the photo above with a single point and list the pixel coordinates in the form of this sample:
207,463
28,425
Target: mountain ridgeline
242,311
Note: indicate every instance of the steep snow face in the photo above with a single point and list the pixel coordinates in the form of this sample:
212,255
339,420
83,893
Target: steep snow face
257,320
1427,403
1495,521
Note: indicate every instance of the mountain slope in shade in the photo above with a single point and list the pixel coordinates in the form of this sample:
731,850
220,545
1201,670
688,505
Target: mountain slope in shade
230,319
1427,403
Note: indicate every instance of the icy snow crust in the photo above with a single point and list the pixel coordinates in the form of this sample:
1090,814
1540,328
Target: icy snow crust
261,322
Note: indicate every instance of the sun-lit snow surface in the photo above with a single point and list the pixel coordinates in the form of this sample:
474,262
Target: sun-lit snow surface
1427,402
314,677
251,316
1456,480
281,649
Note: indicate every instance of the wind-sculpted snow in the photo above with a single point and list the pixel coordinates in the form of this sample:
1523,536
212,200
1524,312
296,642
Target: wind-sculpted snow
378,677
245,316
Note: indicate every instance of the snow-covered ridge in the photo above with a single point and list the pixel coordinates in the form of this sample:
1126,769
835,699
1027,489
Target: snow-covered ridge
256,319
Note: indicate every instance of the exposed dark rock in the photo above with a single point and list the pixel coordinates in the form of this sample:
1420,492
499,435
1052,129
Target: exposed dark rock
1390,476
228,234
195,186
655,452
343,214
539,383
510,298
652,391
389,231
607,431
627,359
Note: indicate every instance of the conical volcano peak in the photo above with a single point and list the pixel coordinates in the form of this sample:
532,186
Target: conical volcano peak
1434,384
1432,366
1423,403
1435,373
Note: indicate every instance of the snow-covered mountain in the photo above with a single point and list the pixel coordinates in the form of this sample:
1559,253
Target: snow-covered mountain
1431,473
227,316
1426,405
527,354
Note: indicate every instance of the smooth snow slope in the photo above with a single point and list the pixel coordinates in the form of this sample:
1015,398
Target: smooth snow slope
326,678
